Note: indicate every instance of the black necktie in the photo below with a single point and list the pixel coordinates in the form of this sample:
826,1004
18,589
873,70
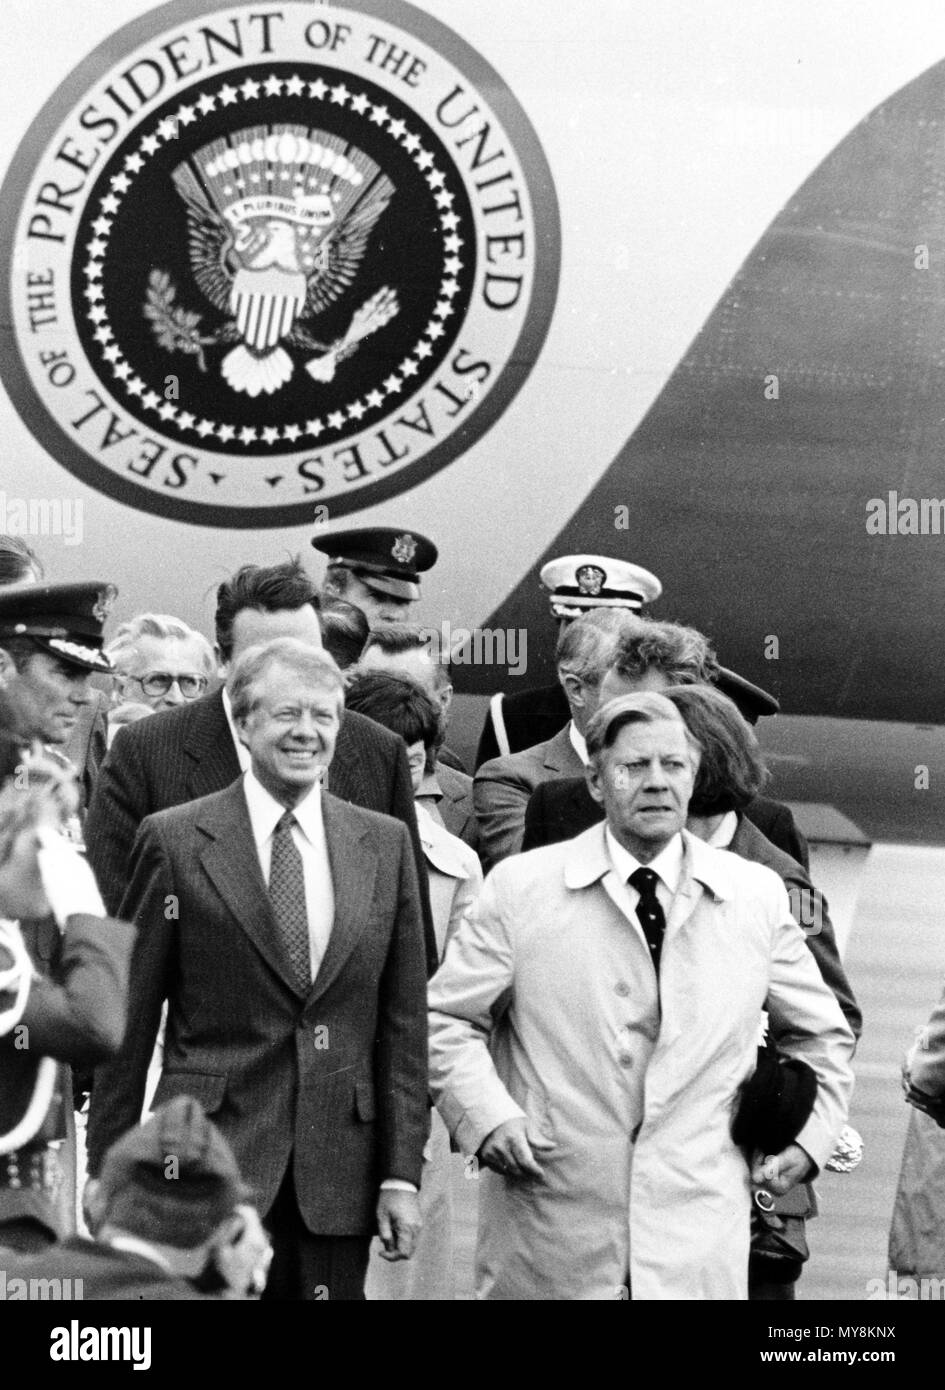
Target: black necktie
287,893
649,912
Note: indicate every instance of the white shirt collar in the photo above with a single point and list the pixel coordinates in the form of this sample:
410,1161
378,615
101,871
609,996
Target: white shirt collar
242,752
578,742
667,864
265,812
724,833
133,1246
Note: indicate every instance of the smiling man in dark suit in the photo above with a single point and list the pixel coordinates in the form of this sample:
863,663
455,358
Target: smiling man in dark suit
191,751
283,927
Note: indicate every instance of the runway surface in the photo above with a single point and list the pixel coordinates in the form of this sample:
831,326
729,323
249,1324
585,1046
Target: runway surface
896,963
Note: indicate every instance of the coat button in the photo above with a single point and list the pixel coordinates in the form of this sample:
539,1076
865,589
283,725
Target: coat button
625,1059
622,988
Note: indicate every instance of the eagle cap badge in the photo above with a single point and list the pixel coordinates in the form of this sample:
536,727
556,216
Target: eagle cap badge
404,549
590,580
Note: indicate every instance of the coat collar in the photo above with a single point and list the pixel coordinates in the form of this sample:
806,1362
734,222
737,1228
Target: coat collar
560,753
354,861
443,850
230,859
208,745
588,861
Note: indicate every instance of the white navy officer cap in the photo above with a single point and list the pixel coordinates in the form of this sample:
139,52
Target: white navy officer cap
579,583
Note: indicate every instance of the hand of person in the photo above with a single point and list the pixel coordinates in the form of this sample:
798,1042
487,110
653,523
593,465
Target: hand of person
778,1173
398,1223
243,1254
933,1106
511,1150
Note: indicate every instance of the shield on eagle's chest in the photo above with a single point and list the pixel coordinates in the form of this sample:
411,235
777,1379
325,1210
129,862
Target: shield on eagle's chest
265,304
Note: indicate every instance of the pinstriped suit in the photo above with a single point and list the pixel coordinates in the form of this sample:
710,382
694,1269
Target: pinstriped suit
181,754
335,1077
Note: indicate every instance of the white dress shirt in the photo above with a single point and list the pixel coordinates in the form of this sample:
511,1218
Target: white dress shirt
578,742
242,752
308,836
724,833
667,866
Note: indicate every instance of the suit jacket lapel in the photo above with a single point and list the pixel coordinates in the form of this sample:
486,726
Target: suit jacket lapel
232,864
343,778
560,755
352,855
212,762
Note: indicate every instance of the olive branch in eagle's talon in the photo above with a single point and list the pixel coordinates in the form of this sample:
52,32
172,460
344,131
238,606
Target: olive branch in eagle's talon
175,328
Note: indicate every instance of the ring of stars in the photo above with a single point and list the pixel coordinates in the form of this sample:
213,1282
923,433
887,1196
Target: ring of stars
167,130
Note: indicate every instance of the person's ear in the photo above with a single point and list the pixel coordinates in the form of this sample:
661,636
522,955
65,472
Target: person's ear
222,663
573,688
593,779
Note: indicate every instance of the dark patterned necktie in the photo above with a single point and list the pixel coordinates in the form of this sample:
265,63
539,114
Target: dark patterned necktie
649,912
287,894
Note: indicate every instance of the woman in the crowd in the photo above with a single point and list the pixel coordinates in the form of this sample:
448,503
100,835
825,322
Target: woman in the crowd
731,772
455,880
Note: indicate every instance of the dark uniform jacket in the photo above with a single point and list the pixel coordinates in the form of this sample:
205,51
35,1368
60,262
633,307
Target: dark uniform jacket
185,753
76,1013
333,1079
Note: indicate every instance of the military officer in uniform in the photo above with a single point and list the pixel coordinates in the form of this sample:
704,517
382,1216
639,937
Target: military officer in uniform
579,584
575,584
63,963
378,569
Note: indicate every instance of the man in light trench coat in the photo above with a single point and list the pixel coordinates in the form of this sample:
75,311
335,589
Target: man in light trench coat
592,1060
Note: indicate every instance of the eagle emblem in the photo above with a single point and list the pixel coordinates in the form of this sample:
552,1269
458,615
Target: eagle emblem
590,580
278,222
404,549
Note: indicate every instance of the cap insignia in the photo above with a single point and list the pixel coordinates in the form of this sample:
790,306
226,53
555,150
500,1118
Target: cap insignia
404,549
105,602
590,580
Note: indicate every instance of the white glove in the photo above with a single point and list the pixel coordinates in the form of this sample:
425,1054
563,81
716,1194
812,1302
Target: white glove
67,879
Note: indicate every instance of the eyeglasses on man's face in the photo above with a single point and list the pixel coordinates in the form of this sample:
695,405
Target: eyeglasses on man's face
160,682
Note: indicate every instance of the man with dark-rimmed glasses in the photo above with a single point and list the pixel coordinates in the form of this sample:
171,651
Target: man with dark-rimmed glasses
159,663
